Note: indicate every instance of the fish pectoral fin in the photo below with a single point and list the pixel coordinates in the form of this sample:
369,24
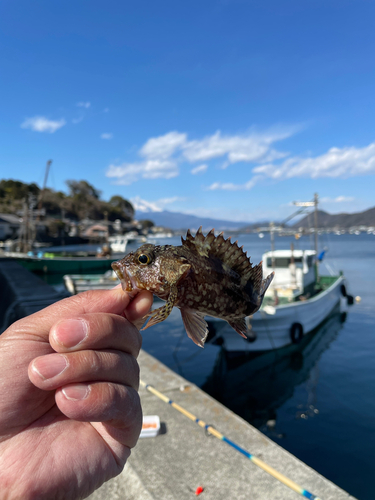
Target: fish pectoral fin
239,324
195,326
162,313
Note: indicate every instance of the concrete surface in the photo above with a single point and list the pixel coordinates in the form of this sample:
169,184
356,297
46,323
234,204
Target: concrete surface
172,465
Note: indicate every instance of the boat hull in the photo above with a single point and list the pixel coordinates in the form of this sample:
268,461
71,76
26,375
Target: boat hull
77,283
64,265
276,327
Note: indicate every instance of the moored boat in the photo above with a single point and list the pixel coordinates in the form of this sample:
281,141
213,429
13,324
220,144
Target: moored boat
76,283
296,303
52,264
119,242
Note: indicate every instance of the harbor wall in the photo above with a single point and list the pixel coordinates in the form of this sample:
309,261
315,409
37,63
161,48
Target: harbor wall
22,293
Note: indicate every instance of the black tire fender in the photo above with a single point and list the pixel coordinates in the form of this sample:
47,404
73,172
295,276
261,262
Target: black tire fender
343,290
296,333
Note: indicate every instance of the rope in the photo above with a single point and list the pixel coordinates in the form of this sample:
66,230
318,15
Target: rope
267,468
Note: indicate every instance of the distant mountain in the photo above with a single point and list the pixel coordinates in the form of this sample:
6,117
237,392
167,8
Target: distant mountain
344,221
176,221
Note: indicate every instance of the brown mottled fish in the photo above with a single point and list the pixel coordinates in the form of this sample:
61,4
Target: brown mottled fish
207,275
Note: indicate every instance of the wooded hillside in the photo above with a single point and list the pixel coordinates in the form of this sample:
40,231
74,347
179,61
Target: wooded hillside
82,201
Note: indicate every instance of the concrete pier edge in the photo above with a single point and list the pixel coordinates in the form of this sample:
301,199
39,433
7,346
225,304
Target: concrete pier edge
172,465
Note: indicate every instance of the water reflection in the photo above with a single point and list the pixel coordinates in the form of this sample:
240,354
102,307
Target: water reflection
254,385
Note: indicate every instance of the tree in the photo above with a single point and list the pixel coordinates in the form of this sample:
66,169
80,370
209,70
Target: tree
85,201
53,202
17,190
120,208
82,188
146,223
14,193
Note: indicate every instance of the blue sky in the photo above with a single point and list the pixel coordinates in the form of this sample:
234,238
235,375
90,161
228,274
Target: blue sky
229,109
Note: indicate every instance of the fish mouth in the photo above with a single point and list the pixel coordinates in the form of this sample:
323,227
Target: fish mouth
127,280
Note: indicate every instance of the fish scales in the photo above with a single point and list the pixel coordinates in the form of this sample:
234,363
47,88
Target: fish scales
206,275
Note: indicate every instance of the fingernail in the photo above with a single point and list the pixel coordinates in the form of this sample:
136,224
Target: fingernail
71,332
76,392
50,366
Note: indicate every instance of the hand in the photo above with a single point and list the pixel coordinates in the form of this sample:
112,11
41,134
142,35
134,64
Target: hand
69,406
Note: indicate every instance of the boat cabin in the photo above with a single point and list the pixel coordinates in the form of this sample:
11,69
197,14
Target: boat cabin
294,271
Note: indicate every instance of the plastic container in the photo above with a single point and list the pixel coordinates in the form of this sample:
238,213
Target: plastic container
150,426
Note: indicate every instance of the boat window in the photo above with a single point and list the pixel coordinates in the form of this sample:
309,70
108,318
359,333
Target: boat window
283,261
310,260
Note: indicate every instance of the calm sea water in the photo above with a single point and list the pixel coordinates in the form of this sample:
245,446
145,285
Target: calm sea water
317,399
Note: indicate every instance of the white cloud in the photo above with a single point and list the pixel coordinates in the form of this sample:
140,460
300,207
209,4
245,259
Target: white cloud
163,154
83,104
343,199
106,136
42,124
153,206
158,163
169,201
250,147
200,169
337,162
338,199
163,146
127,173
228,186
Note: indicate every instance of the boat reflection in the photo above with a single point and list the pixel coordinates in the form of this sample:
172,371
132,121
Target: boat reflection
254,385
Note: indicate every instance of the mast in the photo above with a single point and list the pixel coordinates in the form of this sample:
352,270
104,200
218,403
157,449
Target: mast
314,204
44,187
316,223
272,228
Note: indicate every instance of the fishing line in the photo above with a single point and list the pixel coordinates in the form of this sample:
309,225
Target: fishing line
263,465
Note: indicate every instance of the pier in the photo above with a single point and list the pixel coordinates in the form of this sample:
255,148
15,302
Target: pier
183,457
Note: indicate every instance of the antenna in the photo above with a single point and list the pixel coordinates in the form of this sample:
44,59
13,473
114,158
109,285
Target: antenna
313,203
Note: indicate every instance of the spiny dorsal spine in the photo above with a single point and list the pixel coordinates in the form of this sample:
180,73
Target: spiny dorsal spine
229,253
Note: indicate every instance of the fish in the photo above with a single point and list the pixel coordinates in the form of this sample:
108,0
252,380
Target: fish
205,276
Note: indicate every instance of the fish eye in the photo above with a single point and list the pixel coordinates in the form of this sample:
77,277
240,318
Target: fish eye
144,259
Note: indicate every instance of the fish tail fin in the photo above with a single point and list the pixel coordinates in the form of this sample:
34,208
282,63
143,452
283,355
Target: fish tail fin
254,275
257,285
265,284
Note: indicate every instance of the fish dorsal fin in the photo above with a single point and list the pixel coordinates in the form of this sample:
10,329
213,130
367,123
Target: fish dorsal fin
199,243
216,246
231,255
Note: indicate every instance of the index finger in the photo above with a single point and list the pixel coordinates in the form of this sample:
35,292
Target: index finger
113,301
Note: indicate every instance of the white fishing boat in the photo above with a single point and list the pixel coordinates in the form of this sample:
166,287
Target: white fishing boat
76,283
160,235
119,243
295,304
298,300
